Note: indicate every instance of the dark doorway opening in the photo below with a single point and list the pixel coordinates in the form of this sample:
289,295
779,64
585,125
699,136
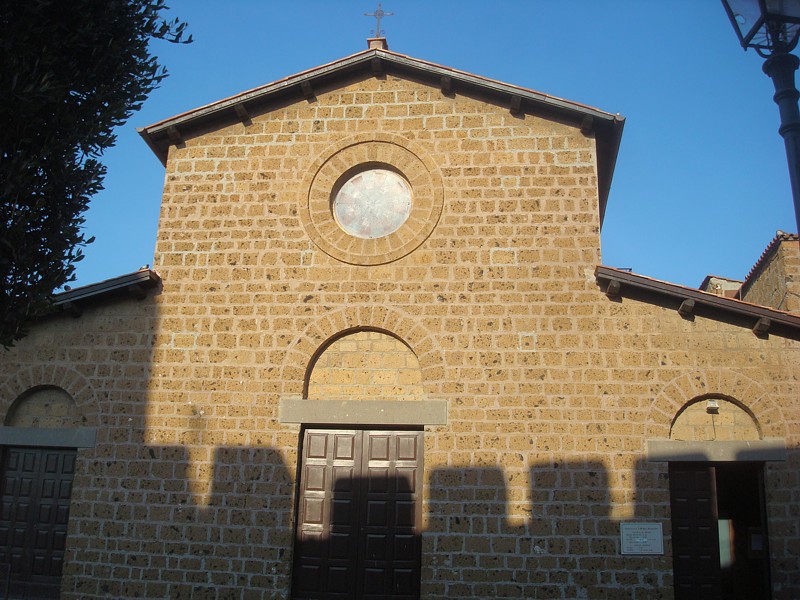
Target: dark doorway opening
358,515
35,493
719,535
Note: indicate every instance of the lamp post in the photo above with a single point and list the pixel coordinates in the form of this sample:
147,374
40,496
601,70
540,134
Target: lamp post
771,28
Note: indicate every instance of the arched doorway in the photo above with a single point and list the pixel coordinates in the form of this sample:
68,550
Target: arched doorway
39,449
719,534
360,475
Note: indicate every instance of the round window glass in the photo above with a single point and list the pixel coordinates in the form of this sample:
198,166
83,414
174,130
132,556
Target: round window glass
372,203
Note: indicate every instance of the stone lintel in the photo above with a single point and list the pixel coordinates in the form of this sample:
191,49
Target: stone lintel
677,451
53,437
363,412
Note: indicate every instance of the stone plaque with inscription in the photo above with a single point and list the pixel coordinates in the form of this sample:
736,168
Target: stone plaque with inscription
641,538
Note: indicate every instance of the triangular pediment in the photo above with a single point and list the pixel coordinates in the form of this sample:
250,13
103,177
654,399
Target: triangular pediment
379,62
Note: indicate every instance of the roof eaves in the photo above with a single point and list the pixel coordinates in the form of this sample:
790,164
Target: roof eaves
365,56
499,86
155,133
132,285
220,105
160,135
690,302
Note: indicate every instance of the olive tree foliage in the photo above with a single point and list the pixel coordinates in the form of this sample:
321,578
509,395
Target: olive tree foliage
70,73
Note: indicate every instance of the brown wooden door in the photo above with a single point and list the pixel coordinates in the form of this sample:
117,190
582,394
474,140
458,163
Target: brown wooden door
695,539
719,539
358,513
35,496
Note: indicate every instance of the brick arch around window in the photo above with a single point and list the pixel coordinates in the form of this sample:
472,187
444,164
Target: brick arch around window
394,152
725,384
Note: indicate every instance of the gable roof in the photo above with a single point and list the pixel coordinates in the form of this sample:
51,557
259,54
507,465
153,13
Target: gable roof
606,127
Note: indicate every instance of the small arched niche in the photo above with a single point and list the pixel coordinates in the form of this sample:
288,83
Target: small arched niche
714,419
365,365
45,407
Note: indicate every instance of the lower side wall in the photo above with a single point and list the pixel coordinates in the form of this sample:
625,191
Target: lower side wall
189,522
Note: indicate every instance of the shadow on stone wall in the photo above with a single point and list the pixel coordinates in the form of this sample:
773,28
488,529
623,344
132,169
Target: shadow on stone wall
566,548
147,535
782,482
361,542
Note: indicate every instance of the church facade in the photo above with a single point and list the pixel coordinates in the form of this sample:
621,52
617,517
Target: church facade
378,357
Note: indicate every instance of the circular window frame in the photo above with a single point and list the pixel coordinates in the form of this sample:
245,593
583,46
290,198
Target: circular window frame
340,162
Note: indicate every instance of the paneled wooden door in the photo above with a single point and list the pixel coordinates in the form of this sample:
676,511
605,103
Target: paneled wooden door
695,541
35,495
359,511
720,549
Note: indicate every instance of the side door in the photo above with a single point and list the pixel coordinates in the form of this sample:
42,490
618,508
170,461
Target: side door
720,547
35,496
695,539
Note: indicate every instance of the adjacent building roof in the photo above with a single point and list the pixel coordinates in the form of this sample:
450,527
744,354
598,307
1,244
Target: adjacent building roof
721,286
766,256
689,302
376,61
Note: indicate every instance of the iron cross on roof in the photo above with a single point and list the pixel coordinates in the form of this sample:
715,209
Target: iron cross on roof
378,14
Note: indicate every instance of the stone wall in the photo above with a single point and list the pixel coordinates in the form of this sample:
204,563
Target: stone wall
487,293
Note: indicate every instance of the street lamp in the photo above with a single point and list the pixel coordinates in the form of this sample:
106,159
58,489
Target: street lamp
772,28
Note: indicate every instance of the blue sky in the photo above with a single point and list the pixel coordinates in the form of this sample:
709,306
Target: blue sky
701,183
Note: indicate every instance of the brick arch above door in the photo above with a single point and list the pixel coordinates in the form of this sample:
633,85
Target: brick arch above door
720,382
422,409
732,386
365,364
319,334
69,380
714,418
45,406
